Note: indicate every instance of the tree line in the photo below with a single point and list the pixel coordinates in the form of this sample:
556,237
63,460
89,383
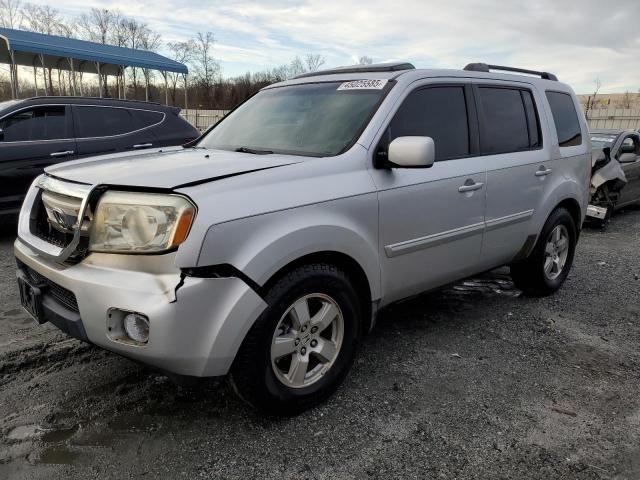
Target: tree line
207,87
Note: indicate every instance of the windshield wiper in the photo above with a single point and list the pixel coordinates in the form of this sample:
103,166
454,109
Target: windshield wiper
255,151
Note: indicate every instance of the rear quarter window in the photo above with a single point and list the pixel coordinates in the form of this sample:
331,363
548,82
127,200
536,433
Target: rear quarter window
565,118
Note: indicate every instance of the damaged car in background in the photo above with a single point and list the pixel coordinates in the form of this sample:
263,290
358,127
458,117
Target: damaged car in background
615,179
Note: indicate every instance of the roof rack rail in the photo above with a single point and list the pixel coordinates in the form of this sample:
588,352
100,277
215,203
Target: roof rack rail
376,67
483,67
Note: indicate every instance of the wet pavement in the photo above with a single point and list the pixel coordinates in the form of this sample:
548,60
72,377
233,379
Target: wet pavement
475,381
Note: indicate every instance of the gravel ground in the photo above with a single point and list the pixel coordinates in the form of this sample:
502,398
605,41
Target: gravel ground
471,382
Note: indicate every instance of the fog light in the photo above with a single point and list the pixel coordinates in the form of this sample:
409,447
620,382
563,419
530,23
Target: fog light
137,327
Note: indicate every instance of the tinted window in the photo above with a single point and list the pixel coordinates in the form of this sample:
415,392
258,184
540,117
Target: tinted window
504,127
565,118
145,118
439,113
40,123
535,137
102,121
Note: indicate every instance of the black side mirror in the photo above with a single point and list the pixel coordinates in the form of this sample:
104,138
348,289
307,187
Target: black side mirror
1,135
628,149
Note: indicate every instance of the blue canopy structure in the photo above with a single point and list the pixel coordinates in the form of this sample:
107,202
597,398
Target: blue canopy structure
37,50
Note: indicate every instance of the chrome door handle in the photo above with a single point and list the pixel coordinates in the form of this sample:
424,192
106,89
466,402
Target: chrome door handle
143,145
543,173
62,154
470,188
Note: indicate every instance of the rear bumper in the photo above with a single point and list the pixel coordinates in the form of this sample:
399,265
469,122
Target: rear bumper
196,324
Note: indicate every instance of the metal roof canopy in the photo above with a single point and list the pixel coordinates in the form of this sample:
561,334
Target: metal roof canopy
37,50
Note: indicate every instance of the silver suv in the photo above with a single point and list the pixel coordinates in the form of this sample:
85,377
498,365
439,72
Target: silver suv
265,250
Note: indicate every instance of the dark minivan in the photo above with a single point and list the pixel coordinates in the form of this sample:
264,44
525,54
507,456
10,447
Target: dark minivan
38,132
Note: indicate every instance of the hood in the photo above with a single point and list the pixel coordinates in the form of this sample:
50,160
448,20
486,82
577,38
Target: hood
167,168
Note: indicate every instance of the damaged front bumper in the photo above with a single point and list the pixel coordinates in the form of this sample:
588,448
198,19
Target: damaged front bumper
196,325
594,211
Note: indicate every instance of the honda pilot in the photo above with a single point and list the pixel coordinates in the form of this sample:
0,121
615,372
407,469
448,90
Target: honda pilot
264,251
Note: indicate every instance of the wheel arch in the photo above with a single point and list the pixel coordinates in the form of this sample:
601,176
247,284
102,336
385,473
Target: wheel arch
346,263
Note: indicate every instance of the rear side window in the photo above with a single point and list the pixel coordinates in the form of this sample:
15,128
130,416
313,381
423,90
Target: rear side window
505,120
565,118
436,112
102,121
40,123
146,118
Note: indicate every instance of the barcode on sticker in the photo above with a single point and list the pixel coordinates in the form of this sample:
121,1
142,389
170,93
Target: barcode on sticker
363,85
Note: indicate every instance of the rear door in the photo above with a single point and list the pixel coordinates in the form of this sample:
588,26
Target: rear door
431,219
517,163
102,129
32,138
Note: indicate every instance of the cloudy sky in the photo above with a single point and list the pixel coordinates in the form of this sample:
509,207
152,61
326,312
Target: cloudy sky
579,40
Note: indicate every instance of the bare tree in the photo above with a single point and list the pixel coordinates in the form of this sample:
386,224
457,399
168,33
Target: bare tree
10,13
206,67
626,100
314,61
149,41
296,67
98,26
592,99
364,60
182,52
47,20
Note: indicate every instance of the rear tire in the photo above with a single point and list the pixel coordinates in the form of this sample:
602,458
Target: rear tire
302,346
546,268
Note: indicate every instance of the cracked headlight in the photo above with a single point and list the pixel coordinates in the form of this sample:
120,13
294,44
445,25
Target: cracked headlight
129,222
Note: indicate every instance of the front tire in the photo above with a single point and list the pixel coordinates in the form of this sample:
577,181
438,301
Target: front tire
546,268
301,347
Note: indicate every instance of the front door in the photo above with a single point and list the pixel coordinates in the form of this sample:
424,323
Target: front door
31,139
432,219
629,158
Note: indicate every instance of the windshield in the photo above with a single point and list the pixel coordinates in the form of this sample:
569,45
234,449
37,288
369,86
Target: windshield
319,119
603,140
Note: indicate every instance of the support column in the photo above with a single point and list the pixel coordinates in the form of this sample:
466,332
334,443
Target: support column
73,77
35,79
13,75
186,103
44,75
124,82
166,88
99,78
146,84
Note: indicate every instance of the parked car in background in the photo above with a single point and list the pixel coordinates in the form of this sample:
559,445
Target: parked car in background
615,180
38,132
301,214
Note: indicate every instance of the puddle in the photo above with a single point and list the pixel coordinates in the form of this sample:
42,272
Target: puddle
48,435
25,432
487,285
59,435
57,456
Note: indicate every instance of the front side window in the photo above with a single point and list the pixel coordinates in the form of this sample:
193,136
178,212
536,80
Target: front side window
102,121
314,119
565,118
436,112
38,123
505,121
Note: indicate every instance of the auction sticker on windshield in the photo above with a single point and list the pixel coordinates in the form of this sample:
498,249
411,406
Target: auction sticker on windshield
363,85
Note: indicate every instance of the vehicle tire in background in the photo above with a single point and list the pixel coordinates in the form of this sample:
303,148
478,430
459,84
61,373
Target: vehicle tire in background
301,347
546,268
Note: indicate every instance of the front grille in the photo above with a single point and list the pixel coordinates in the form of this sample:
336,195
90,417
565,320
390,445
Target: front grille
66,297
42,228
